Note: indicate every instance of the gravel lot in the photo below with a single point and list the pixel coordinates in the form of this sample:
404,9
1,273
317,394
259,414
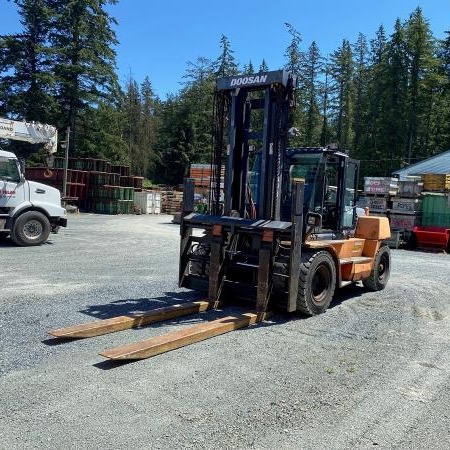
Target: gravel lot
372,371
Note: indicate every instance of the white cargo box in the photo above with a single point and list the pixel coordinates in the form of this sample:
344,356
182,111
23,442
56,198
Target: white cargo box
148,202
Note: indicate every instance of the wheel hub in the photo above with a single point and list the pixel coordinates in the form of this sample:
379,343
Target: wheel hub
320,284
32,229
382,267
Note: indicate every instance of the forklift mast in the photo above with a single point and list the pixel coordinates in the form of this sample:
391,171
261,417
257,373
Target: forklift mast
251,119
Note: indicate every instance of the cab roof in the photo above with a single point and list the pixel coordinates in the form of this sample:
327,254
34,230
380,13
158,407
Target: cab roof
5,154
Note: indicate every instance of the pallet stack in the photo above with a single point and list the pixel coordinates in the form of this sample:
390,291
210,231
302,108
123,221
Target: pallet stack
406,208
436,182
388,197
93,184
202,174
171,201
77,180
377,194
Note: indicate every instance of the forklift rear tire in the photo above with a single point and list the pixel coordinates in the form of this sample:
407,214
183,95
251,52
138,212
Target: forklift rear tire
379,276
317,283
30,228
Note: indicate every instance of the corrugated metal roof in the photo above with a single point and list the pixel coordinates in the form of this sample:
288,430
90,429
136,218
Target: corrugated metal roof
436,164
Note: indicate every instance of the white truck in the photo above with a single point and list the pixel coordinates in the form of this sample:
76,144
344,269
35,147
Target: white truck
29,211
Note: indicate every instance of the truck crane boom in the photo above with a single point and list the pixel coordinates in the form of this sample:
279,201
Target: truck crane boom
32,132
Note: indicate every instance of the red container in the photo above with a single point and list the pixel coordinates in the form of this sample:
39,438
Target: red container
436,237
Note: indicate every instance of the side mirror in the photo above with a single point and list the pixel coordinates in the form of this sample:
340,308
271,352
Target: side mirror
22,166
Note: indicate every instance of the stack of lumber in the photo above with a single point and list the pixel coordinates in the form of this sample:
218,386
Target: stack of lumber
202,174
436,182
171,201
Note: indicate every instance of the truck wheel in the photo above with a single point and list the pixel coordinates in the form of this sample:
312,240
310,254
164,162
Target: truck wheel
30,228
379,276
317,283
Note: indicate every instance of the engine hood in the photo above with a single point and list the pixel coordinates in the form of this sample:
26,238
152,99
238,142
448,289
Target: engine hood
47,197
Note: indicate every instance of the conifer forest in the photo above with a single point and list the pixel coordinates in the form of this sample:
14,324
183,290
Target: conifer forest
384,98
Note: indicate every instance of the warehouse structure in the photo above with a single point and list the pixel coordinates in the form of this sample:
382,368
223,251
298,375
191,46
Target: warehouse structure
438,164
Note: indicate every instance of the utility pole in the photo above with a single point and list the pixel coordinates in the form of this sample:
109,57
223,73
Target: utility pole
65,145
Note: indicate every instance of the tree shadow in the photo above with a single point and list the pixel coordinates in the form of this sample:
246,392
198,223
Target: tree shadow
353,290
138,305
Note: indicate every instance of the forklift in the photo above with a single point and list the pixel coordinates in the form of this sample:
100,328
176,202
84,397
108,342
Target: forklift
281,230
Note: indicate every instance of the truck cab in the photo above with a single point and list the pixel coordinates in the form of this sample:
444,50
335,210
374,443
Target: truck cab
29,211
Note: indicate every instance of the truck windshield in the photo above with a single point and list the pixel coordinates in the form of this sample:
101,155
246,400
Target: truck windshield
9,170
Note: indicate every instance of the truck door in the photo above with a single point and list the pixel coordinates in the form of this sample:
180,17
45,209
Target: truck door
350,192
12,191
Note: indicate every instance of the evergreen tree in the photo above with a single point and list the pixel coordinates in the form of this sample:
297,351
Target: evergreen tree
443,97
132,108
225,65
375,92
294,63
361,90
26,81
105,126
311,72
293,54
248,68
421,52
342,94
325,132
147,128
198,71
82,38
185,127
263,67
393,123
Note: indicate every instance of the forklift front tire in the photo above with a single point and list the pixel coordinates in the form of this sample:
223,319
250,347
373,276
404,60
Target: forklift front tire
317,283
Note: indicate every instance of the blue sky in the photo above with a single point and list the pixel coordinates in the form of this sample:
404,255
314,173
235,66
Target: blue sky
158,38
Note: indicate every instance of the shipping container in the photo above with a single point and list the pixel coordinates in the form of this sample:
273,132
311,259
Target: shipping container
436,209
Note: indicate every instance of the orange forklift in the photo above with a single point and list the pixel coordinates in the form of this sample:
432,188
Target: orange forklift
283,230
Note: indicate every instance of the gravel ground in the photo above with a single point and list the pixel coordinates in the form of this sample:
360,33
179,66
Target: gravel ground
372,371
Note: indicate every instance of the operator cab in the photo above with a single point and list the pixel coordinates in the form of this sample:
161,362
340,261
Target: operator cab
330,178
9,168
